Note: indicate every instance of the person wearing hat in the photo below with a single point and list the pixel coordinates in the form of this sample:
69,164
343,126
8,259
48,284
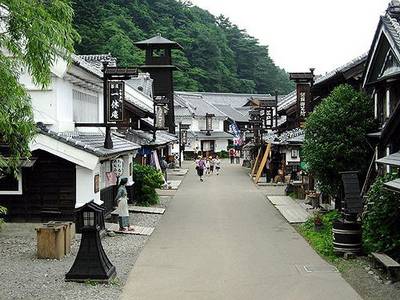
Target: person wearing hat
122,202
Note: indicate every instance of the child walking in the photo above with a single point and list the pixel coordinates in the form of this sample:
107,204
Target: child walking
217,164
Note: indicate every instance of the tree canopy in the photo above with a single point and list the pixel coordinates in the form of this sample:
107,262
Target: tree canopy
335,136
32,34
218,56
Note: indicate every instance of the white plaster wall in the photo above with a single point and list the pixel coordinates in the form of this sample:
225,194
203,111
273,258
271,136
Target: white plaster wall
44,106
221,145
65,110
85,186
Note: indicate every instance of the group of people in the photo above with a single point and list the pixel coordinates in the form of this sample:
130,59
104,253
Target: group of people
207,166
234,155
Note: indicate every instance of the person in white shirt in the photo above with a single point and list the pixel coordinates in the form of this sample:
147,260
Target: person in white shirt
217,164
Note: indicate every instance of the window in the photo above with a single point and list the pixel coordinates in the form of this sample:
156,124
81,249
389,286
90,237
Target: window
86,107
295,153
9,185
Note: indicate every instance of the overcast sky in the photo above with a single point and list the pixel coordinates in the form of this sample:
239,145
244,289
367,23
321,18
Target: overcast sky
305,33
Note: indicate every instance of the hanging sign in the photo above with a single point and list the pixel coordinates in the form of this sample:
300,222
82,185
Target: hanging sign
209,122
160,117
268,118
115,100
184,137
118,166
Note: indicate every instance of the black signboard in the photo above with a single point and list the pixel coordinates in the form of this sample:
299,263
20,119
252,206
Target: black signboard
268,118
115,100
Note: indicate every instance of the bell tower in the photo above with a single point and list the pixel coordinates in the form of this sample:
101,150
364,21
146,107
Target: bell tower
158,63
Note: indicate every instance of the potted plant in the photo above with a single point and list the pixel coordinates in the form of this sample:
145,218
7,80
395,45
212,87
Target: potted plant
318,224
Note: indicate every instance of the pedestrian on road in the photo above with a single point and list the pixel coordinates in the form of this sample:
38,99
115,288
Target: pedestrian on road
217,164
164,167
212,165
237,156
208,165
200,166
232,155
122,202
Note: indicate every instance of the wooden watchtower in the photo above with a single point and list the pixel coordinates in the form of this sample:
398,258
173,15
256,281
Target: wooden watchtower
159,64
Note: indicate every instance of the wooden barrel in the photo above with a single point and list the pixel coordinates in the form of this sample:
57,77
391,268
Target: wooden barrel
347,237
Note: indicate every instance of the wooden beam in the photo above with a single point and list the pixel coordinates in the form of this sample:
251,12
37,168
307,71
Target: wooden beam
263,162
255,164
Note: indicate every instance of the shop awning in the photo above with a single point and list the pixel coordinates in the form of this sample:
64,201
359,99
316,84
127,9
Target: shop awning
391,160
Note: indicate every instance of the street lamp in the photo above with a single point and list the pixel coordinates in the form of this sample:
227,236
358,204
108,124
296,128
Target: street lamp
91,262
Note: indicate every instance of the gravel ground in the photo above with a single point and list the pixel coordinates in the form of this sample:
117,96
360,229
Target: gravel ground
23,276
368,281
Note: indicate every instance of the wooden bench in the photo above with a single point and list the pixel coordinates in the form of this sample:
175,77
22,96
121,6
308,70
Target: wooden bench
392,266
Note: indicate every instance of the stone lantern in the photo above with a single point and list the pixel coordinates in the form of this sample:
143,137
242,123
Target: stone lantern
91,262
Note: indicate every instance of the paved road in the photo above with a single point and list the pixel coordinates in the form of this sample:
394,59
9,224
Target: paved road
221,239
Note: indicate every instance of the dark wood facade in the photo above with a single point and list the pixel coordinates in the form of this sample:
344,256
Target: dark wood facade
48,191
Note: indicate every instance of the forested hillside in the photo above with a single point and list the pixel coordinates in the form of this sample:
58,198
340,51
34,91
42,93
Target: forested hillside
218,56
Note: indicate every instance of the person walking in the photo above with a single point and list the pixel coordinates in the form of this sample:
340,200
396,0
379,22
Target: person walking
237,156
212,164
208,165
200,166
232,155
164,167
122,202
217,164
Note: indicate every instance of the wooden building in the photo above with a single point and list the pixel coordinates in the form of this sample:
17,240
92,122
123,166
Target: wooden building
382,82
70,166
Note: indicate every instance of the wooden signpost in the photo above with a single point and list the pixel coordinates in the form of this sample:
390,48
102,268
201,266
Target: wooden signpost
263,162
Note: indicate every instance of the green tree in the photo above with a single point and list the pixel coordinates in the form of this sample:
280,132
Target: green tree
33,34
217,57
335,137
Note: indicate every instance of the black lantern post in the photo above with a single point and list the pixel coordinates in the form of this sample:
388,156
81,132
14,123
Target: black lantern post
91,262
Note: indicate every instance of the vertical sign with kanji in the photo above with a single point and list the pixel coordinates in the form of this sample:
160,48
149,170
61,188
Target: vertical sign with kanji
115,99
160,117
209,122
269,124
303,101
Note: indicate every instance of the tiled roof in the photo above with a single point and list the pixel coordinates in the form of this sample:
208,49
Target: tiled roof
145,138
79,61
233,99
91,142
287,101
158,40
97,60
294,136
358,60
232,113
196,104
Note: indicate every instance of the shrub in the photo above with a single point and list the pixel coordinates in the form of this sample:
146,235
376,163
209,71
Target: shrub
320,240
223,154
381,219
147,180
335,137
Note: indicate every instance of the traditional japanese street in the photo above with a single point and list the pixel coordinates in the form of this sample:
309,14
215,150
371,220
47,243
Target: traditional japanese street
222,239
